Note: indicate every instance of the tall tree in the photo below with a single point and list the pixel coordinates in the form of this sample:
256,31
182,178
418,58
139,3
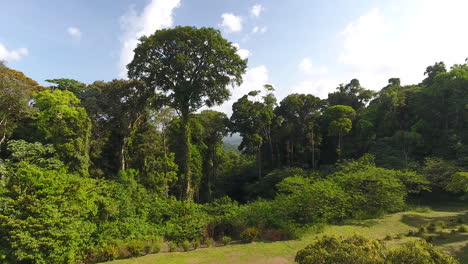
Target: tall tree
117,109
214,129
190,68
252,118
65,125
16,90
300,112
339,123
351,94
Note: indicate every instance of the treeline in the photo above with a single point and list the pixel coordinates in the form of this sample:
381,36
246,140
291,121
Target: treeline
92,172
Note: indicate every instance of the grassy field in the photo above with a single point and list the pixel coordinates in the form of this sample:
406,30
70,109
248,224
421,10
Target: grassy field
394,226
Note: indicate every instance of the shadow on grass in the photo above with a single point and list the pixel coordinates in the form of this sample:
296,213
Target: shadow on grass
451,238
361,223
462,254
416,220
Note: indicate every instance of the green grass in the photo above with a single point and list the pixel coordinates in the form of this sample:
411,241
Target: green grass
283,252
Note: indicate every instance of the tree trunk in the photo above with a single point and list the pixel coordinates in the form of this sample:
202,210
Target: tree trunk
122,154
185,173
259,162
339,146
313,151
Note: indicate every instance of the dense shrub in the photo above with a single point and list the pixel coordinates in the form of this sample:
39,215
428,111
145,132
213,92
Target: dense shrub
226,240
136,247
44,216
373,191
249,235
353,250
360,250
321,201
173,246
185,245
419,252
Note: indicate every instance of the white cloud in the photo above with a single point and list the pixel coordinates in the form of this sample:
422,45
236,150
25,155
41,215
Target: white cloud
256,10
378,47
253,79
243,53
231,23
257,29
319,88
12,55
156,15
306,67
74,32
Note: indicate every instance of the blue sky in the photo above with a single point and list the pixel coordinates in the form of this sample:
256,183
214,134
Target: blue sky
298,46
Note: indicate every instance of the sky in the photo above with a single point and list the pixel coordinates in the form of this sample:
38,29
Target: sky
298,46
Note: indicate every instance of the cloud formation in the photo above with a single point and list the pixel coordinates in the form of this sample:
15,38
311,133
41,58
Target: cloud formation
256,10
74,32
156,15
376,47
231,23
243,53
306,67
12,55
253,79
258,29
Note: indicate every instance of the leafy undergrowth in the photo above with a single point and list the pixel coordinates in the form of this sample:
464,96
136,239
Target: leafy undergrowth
393,228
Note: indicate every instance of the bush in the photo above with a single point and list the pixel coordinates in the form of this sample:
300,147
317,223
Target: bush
185,245
321,201
153,245
173,246
136,247
360,250
107,253
226,240
419,252
196,244
462,229
373,190
209,242
352,250
249,235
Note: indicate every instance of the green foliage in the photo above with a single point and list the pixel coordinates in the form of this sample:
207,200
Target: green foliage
226,240
321,201
185,245
173,246
45,216
352,250
249,235
209,242
419,252
43,156
458,183
195,75
359,250
15,92
135,247
66,126
439,171
71,85
339,122
371,190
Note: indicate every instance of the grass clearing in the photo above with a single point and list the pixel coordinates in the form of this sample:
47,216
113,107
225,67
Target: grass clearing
393,225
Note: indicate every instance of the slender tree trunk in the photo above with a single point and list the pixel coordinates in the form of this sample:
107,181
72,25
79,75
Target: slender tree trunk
313,150
259,162
122,154
184,166
339,146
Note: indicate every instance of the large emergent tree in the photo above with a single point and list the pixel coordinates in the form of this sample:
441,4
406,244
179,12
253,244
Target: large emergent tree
189,68
16,90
